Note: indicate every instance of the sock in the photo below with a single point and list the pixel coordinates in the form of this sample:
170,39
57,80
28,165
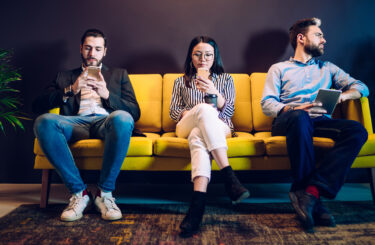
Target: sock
81,193
313,190
101,193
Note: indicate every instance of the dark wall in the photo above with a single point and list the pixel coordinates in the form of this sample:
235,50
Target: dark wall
148,36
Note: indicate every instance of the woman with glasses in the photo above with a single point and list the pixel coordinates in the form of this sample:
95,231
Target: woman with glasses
205,126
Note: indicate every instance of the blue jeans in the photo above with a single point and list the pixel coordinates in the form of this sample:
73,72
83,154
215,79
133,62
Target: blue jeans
329,175
55,132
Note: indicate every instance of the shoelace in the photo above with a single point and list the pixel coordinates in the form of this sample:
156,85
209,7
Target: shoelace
74,202
110,204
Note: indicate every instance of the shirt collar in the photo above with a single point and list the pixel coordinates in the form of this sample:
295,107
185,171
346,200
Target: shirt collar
312,61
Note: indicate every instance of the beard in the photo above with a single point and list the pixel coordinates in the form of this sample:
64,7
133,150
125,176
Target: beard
87,63
313,50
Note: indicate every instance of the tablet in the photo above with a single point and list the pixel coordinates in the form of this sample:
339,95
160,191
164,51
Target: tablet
328,98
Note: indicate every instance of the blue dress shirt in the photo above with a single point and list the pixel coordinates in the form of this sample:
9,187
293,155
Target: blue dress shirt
295,83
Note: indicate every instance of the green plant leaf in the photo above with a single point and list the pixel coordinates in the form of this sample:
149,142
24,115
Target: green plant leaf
9,101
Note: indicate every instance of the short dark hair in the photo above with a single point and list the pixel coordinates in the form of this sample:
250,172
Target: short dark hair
301,26
93,33
217,66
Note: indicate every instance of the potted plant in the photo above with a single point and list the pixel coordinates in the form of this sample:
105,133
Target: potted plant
9,100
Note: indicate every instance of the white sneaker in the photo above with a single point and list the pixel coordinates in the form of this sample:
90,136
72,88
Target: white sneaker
77,204
107,207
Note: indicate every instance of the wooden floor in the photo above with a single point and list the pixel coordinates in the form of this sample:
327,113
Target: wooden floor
13,195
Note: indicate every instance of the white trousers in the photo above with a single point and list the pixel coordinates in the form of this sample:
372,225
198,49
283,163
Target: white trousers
205,132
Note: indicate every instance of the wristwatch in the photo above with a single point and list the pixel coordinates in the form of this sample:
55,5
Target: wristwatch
68,92
291,108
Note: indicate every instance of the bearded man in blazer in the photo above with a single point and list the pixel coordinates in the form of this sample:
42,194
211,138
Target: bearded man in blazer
95,102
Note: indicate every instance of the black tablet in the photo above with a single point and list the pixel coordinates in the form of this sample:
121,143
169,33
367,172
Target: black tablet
328,98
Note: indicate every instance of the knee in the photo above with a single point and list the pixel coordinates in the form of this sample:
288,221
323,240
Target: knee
204,110
121,120
299,118
358,132
45,122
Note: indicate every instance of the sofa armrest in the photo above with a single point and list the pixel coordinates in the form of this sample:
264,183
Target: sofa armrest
55,110
357,110
367,123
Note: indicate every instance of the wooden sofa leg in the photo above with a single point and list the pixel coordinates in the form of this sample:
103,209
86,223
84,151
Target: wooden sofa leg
372,183
46,184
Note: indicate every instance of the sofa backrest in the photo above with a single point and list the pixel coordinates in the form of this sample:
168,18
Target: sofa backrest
261,122
243,114
148,90
168,124
242,118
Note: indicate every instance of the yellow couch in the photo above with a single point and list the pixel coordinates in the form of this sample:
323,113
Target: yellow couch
161,150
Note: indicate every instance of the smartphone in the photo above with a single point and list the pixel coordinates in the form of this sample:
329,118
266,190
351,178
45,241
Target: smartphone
203,72
93,71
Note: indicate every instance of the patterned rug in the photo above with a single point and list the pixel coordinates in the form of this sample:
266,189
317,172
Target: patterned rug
158,224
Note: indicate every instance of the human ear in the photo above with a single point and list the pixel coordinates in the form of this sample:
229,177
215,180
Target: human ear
300,37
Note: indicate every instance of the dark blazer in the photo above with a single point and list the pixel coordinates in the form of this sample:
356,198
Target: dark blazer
121,94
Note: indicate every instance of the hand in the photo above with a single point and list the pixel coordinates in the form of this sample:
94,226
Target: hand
205,85
317,111
99,86
344,97
350,94
184,113
81,82
314,109
305,107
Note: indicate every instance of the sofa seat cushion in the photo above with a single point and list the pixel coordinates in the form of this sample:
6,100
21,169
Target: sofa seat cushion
276,146
139,146
244,145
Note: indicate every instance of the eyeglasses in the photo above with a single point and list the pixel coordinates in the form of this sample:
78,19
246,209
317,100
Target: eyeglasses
207,56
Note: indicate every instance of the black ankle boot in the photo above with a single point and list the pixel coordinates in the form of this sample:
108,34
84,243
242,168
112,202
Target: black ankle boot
236,191
191,223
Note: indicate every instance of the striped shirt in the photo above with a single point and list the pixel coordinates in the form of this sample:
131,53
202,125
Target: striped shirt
184,98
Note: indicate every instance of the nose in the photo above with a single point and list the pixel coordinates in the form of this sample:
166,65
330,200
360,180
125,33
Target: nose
324,40
91,52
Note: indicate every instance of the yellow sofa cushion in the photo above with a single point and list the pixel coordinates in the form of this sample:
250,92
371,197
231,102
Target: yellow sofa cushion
139,146
148,90
244,145
168,81
242,118
276,146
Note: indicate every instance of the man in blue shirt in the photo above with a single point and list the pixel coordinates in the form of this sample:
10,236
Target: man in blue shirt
290,90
